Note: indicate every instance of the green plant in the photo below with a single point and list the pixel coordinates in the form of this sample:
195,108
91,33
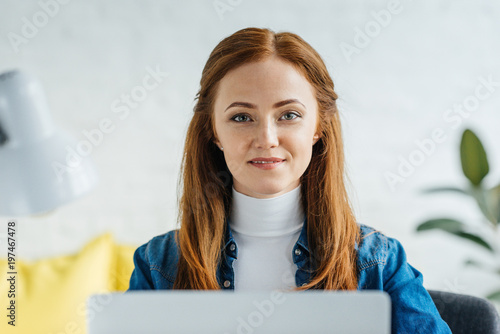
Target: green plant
475,167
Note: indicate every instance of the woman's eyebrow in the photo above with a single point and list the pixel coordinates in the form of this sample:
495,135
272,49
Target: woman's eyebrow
253,106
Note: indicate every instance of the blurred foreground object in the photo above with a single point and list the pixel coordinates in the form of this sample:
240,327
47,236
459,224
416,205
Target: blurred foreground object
51,292
36,171
475,167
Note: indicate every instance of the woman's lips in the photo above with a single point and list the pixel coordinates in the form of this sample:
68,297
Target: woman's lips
267,165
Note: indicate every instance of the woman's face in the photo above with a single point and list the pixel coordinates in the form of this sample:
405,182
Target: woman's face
266,109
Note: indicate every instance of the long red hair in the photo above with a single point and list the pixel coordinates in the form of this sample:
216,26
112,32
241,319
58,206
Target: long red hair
206,182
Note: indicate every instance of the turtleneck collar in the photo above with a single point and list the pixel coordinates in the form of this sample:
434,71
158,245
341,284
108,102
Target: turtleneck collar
267,217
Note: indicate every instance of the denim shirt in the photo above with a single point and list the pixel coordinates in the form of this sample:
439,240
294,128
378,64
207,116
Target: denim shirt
381,264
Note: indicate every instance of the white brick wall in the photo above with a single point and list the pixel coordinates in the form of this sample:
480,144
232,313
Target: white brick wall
395,91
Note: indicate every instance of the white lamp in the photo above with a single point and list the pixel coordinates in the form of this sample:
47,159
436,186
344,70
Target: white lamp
35,176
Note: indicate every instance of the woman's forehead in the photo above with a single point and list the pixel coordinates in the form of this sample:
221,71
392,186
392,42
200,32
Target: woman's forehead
271,80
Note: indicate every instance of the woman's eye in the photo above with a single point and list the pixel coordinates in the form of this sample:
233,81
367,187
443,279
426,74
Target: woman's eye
234,118
291,113
241,118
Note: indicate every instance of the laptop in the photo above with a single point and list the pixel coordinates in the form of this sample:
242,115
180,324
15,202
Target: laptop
230,312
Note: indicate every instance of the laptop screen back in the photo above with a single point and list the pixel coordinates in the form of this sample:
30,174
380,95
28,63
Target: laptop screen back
221,312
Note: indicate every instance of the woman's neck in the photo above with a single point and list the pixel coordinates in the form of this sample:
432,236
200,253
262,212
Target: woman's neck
267,217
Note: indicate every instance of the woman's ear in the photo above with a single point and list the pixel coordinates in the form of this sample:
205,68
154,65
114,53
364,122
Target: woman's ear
316,137
216,139
217,142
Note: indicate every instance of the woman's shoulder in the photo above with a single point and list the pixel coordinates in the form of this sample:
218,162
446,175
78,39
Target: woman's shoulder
155,263
162,244
166,239
375,248
161,250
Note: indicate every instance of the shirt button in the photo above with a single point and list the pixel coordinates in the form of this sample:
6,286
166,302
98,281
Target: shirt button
298,251
232,247
227,284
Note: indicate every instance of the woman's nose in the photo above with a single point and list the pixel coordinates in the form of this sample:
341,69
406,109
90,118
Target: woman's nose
266,135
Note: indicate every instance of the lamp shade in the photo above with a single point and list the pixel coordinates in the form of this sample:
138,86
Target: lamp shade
39,170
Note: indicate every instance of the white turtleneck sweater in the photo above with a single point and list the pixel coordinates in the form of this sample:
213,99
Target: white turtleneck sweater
265,231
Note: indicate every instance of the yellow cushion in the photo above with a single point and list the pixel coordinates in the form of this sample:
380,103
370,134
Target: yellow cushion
123,267
51,293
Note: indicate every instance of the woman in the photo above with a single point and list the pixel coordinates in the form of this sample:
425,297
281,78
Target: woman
264,204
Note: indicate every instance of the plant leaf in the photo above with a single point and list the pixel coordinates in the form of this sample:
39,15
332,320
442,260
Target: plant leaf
494,296
454,227
445,224
475,238
494,202
483,200
442,189
471,262
473,157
